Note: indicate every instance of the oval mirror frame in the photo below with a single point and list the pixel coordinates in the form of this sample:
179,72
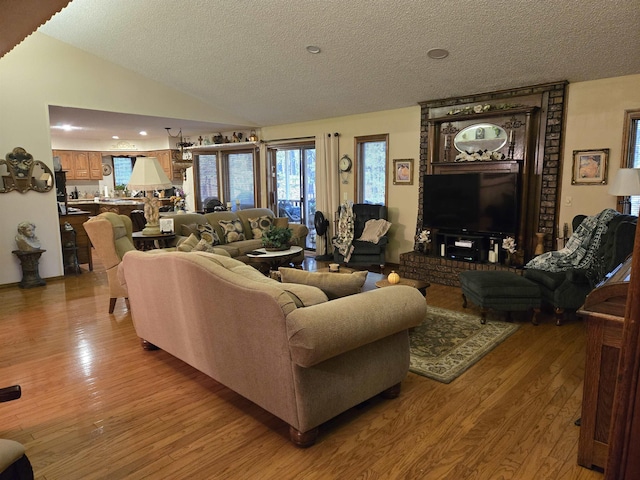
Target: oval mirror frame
480,137
19,171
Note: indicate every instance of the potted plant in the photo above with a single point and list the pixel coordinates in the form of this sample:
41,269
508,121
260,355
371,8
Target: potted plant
276,238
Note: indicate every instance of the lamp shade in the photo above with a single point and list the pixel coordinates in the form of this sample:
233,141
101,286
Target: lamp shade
626,182
148,175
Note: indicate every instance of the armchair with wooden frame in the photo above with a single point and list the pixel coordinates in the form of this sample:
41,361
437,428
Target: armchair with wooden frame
111,236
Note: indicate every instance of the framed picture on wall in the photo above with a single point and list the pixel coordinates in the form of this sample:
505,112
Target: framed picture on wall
590,167
403,171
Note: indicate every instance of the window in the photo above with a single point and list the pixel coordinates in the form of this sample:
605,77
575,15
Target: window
228,175
240,178
371,165
631,150
122,168
207,174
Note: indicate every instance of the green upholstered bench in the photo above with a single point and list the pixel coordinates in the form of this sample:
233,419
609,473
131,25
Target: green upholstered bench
504,291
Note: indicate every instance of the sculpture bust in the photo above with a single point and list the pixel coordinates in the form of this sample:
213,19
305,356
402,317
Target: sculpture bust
26,238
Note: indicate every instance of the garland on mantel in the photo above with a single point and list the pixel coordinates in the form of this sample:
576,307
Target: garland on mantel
483,108
479,156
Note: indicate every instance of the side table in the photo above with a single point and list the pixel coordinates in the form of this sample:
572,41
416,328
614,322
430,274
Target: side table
149,242
417,284
29,263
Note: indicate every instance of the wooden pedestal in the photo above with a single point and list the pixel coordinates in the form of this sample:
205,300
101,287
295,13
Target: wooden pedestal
29,263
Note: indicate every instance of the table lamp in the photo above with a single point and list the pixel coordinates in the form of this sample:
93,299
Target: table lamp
625,184
148,175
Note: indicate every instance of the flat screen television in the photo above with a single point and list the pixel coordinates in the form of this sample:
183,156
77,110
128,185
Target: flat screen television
483,202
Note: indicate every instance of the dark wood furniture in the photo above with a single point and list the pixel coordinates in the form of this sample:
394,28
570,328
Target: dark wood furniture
29,262
76,220
149,242
603,313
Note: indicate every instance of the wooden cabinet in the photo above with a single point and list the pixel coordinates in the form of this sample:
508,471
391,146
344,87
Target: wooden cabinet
603,313
165,161
80,165
83,244
66,160
95,165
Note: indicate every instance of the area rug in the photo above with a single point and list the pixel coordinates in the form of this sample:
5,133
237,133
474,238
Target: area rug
448,343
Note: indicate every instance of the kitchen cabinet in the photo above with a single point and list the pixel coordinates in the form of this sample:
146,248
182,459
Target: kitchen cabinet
80,165
95,165
164,159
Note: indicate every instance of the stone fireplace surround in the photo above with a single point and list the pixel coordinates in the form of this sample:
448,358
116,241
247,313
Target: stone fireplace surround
545,157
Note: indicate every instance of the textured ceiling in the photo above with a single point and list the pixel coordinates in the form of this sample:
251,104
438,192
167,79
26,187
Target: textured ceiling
248,56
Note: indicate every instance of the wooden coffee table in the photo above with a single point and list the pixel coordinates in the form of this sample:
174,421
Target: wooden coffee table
274,259
418,284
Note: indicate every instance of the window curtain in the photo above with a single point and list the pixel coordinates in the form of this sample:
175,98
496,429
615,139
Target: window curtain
327,185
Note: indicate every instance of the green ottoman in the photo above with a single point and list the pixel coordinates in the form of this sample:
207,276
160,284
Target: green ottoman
504,291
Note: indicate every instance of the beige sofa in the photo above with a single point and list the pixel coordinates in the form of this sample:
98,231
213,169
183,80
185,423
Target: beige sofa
283,346
237,249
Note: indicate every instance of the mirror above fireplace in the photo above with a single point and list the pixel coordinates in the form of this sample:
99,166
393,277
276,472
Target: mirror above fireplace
480,136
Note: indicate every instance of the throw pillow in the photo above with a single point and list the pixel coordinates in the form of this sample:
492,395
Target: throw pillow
260,224
189,244
334,285
233,231
208,234
204,246
374,230
186,230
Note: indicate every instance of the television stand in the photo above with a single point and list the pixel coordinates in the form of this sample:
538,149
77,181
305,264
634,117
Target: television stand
466,247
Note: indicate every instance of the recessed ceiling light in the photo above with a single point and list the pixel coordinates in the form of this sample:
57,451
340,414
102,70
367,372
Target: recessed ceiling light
116,137
313,49
438,53
66,127
143,133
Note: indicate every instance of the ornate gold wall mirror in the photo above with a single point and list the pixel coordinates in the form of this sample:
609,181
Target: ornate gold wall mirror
481,136
19,171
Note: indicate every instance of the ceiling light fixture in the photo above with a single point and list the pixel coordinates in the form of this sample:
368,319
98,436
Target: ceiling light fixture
116,137
438,53
143,133
313,49
66,127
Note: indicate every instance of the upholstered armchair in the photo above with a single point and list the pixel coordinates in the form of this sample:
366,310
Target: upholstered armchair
110,235
567,290
365,252
14,464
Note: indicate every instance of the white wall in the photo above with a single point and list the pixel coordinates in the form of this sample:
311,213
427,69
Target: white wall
403,127
595,115
40,72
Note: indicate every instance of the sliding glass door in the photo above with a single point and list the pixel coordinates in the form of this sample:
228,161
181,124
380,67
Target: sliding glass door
294,191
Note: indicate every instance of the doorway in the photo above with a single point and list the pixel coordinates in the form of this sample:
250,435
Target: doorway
294,185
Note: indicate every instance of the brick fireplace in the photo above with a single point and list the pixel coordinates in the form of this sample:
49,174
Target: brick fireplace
539,149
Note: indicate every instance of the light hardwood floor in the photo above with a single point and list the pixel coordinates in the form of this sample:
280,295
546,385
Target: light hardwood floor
97,406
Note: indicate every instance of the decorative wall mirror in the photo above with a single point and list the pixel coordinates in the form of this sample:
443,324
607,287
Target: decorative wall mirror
19,171
481,136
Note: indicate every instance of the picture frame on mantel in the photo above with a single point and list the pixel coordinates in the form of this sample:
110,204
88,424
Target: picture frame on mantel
403,171
590,167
